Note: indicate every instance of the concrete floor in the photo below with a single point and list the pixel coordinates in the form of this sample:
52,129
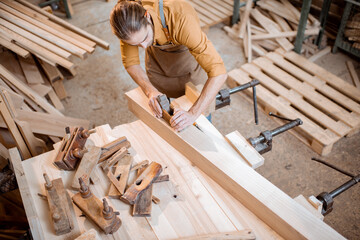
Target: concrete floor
97,94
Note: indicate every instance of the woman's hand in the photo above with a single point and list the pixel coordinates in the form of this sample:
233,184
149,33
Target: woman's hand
153,103
181,119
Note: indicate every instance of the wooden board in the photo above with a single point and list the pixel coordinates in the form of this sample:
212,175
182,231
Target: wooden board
191,204
327,106
210,153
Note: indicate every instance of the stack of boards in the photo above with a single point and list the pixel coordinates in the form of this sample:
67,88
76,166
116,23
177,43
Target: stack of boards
37,49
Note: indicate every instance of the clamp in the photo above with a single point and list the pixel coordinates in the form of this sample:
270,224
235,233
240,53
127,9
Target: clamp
263,143
223,97
327,198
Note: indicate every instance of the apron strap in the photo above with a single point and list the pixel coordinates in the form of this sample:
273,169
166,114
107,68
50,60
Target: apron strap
163,23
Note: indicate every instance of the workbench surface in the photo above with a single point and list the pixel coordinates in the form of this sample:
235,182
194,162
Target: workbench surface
191,204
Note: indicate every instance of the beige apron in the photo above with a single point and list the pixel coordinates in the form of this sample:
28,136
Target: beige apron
170,67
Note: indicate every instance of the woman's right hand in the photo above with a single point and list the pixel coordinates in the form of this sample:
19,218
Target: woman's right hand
154,104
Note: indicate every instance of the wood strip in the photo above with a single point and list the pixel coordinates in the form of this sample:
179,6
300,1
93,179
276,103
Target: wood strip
10,123
353,74
123,170
285,27
320,54
52,73
245,234
16,49
63,23
25,24
35,145
143,204
56,101
59,89
29,92
28,201
253,158
283,214
28,35
36,49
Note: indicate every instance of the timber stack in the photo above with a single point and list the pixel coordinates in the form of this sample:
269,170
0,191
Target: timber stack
37,50
270,25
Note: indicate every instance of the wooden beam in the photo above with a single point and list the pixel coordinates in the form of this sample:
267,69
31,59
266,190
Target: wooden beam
268,202
30,70
245,18
353,74
313,31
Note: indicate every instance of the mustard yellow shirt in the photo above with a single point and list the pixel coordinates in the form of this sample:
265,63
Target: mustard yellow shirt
184,28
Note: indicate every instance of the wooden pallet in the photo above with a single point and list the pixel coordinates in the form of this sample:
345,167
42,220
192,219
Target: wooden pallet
212,12
294,87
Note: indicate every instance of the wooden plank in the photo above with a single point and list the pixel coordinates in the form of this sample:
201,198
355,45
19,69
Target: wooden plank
353,74
245,18
320,54
28,201
13,47
25,24
242,146
41,89
29,92
282,213
321,73
59,89
271,27
86,166
65,24
249,44
38,40
11,125
285,27
35,145
36,49
30,70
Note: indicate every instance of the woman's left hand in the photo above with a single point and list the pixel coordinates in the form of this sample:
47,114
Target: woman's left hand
181,119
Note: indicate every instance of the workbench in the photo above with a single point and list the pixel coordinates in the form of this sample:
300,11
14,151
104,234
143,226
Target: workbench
191,204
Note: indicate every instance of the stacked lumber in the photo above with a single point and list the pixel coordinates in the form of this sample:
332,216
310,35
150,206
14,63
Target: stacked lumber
37,50
27,28
268,26
352,31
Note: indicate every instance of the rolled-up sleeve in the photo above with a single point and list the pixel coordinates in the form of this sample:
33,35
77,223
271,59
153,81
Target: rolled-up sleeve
129,54
190,34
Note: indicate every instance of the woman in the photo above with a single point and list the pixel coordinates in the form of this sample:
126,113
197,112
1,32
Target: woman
177,51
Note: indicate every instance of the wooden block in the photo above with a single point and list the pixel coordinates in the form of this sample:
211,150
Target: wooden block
41,89
142,205
86,166
162,178
59,206
112,147
242,146
56,101
139,165
302,200
122,169
353,74
320,54
142,182
109,163
99,212
91,234
31,70
246,234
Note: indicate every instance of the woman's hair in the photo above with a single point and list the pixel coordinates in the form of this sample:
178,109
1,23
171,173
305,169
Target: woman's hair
127,17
